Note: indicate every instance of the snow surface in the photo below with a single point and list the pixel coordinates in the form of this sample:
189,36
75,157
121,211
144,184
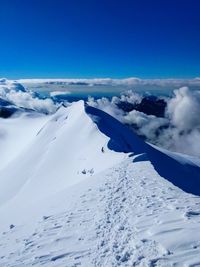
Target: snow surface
16,133
83,190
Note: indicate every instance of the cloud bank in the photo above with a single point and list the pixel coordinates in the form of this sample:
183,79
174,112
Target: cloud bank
132,81
16,94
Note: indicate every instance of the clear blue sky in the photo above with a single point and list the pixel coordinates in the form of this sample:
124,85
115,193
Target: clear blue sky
99,38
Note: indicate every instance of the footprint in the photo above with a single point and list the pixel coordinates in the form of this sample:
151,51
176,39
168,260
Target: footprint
191,214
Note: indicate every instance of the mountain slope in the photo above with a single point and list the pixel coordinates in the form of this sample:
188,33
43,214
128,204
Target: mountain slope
65,150
181,171
86,191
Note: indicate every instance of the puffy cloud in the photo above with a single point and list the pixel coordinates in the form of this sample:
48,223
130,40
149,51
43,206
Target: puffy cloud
178,131
27,100
184,109
148,126
128,96
16,94
110,106
106,105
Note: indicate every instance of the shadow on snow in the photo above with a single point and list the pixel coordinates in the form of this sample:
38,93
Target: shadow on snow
183,174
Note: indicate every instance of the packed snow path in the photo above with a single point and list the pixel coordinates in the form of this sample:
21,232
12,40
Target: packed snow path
125,216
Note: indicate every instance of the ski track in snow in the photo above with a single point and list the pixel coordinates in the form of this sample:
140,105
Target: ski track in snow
120,218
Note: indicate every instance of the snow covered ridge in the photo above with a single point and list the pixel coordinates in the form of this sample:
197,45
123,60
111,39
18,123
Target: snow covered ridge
178,170
83,190
16,95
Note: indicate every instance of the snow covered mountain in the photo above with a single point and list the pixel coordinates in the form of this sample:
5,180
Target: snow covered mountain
78,188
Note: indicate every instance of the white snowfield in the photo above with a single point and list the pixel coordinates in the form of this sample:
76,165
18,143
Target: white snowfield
80,189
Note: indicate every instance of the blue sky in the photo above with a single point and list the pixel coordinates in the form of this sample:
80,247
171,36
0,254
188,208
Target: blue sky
99,38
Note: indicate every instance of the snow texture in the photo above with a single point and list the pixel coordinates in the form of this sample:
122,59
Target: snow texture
83,190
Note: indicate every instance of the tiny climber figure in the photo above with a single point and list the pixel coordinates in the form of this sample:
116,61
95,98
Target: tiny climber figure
102,149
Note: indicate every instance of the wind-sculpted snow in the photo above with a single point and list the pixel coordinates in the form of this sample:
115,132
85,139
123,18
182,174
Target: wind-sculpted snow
83,190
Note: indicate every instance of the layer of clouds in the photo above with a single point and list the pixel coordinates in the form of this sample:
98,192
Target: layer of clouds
16,94
132,81
178,130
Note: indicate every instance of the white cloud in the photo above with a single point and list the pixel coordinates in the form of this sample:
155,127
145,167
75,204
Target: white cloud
147,125
178,131
123,82
106,105
128,96
17,95
184,109
57,93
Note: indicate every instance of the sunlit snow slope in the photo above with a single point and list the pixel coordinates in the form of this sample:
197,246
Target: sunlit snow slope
83,190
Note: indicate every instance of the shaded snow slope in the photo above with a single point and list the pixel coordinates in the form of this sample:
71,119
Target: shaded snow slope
181,171
85,191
